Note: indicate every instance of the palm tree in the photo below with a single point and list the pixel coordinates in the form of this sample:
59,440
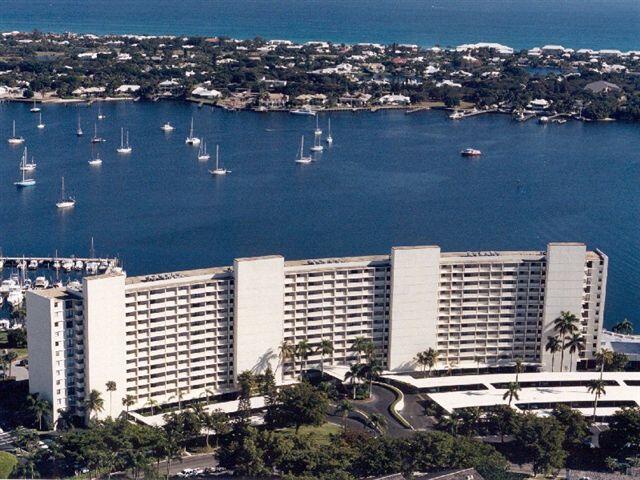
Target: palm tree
344,408
603,358
554,345
371,371
302,351
177,396
9,358
518,367
151,403
325,348
574,344
358,346
478,359
566,324
428,358
94,402
354,373
512,392
287,352
378,422
66,420
128,401
38,407
597,388
625,327
421,360
111,387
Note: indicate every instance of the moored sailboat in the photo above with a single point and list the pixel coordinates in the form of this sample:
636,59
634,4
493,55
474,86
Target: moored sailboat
218,170
301,157
192,139
14,139
65,201
124,147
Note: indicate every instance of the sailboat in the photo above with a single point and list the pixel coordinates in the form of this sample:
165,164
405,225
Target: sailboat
329,138
96,138
95,161
301,158
202,152
40,124
167,127
65,201
124,148
25,165
318,130
218,170
14,140
317,141
79,131
34,109
100,115
191,139
24,182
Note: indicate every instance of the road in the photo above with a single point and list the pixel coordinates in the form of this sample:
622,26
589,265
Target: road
380,401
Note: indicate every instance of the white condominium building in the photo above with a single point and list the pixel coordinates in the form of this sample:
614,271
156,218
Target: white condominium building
187,335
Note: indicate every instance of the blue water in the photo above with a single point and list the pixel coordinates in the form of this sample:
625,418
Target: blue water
518,23
390,179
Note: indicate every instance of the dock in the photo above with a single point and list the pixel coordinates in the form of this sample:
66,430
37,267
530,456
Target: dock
57,263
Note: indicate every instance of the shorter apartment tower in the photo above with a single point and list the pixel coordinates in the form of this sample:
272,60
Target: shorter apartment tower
186,335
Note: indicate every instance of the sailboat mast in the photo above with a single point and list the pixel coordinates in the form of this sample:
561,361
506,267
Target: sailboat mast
14,129
217,155
62,191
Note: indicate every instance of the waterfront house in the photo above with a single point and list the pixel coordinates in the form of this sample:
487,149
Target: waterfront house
273,100
392,99
358,99
600,86
124,89
203,92
312,99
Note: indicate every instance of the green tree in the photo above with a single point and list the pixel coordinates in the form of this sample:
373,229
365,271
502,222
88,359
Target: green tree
325,348
302,404
427,359
378,422
355,373
575,343
624,327
111,387
94,402
597,388
553,345
17,338
287,352
541,440
344,408
39,407
622,439
518,367
575,424
128,401
618,362
512,392
603,357
303,349
566,324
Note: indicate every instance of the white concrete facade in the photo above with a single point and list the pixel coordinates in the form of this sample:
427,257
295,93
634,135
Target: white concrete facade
180,336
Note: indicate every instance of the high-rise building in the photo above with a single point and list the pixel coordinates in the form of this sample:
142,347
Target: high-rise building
186,335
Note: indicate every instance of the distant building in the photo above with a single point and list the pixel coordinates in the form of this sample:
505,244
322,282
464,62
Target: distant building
463,474
273,100
203,92
391,99
600,86
122,89
358,99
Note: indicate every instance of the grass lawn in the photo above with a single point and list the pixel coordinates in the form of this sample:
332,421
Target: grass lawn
321,433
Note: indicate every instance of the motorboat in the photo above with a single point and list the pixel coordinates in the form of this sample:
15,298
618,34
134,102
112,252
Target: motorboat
470,152
303,111
41,282
167,127
78,265
33,265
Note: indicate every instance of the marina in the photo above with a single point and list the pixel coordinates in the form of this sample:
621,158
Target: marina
388,178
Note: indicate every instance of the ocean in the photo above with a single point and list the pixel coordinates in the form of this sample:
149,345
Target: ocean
518,23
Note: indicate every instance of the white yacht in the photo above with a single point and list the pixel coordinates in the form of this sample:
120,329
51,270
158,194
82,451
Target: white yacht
33,265
303,111
8,284
65,201
95,161
470,152
40,124
191,139
202,152
218,170
35,108
92,267
329,138
96,138
167,127
78,265
41,282
79,131
15,296
24,181
301,157
24,163
318,130
14,139
124,147
67,265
